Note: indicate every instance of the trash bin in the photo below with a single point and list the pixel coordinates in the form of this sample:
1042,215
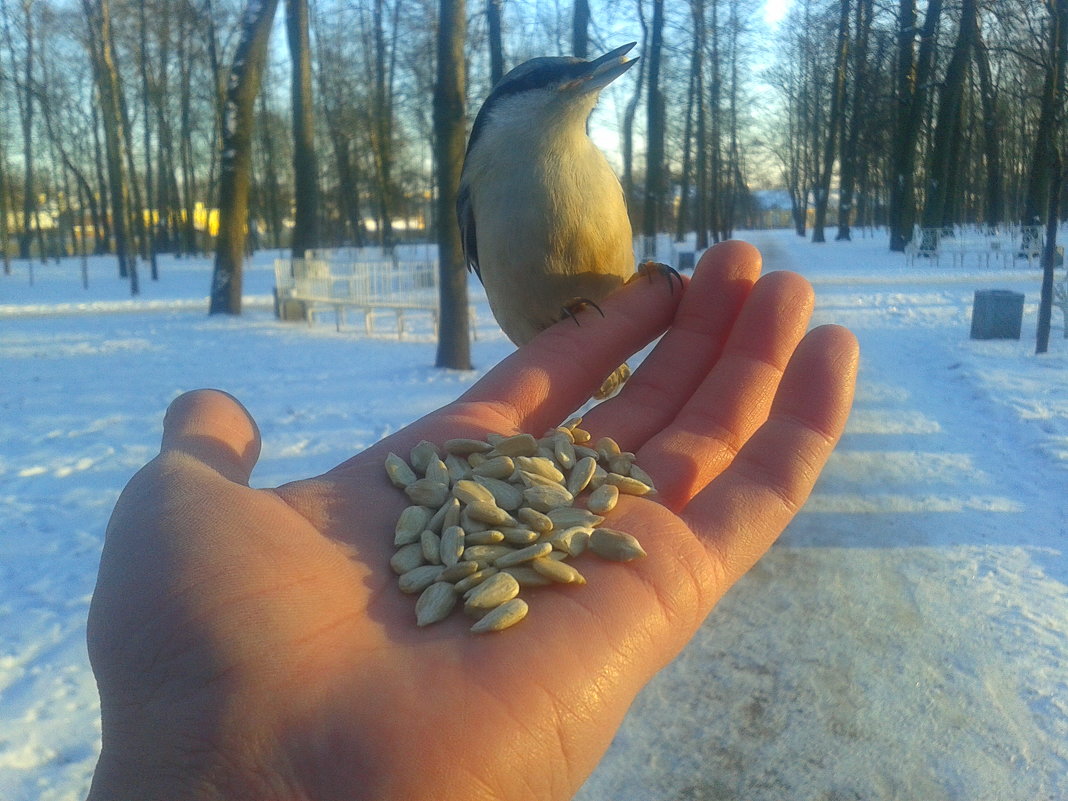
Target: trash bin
997,314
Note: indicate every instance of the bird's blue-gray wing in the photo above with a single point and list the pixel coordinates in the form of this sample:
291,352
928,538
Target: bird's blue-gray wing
465,215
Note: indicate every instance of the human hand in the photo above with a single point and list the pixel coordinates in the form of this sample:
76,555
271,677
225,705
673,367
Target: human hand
252,643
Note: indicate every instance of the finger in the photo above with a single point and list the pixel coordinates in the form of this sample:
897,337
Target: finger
736,394
745,509
556,372
215,428
680,361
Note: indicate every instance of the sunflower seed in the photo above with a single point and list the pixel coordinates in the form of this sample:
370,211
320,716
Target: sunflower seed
431,545
470,491
523,555
568,516
627,485
642,476
490,536
413,521
422,454
616,546
571,541
603,499
474,579
535,520
492,592
418,579
540,465
519,445
451,546
517,535
507,497
435,603
608,447
489,513
564,450
461,570
557,571
400,474
505,615
581,474
426,492
494,467
437,471
528,576
407,557
465,446
545,499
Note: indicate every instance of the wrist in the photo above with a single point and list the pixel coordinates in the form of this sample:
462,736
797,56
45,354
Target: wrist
145,769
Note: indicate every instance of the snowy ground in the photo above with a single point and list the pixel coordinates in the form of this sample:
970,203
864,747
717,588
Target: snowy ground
906,639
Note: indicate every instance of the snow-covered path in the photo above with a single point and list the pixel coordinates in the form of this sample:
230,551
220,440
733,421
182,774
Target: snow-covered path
906,639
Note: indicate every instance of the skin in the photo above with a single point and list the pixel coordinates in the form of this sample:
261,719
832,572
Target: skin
252,644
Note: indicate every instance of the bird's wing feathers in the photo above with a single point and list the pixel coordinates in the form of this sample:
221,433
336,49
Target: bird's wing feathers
465,215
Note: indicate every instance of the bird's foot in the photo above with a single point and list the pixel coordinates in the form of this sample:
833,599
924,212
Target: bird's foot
613,382
653,268
575,305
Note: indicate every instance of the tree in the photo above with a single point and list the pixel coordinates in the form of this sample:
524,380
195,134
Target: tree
1048,165
913,76
454,345
305,164
945,151
838,87
496,44
106,73
854,124
580,29
654,161
236,157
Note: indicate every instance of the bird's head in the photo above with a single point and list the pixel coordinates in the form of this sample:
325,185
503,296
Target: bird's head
552,91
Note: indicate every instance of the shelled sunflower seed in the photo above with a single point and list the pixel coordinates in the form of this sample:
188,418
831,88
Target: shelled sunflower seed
491,517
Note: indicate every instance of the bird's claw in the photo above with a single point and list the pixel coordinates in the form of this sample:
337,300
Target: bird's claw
651,268
576,305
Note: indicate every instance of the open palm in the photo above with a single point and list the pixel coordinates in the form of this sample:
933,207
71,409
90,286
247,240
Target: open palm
252,643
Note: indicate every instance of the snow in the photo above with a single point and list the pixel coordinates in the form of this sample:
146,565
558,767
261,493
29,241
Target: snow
907,638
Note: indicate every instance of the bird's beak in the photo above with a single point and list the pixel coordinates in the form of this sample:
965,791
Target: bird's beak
603,70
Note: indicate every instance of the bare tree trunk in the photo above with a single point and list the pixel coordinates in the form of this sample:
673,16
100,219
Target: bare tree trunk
271,204
5,255
851,140
654,160
25,100
1050,174
823,175
454,340
98,17
382,132
995,194
629,189
580,29
150,235
305,165
496,45
936,211
236,157
912,84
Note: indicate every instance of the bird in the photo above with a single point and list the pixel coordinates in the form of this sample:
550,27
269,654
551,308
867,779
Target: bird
543,217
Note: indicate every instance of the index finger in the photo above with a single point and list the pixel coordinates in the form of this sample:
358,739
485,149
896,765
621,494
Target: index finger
555,373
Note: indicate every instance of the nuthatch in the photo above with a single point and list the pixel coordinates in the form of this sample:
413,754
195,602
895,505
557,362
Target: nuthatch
542,216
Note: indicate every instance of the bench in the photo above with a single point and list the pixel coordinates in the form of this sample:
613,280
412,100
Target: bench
304,288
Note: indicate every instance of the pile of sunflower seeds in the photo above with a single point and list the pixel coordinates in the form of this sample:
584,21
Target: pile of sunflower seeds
488,518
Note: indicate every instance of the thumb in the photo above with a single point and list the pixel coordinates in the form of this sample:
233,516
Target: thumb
213,427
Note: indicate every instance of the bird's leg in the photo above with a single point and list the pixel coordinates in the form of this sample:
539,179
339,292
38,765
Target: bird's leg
576,305
651,268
